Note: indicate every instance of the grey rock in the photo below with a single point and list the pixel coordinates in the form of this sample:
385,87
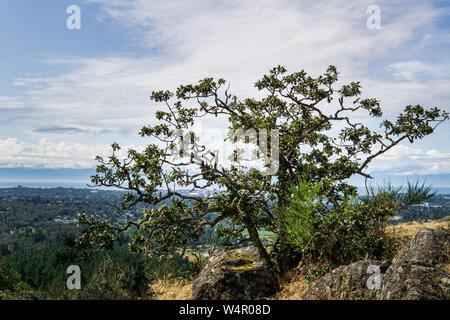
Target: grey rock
406,281
349,282
428,247
235,274
416,273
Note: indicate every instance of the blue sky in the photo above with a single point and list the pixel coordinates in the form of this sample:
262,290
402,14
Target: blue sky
65,95
34,32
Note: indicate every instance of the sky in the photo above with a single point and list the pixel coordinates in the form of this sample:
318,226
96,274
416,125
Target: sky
67,94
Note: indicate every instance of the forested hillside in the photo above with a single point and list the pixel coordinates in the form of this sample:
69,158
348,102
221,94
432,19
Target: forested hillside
37,230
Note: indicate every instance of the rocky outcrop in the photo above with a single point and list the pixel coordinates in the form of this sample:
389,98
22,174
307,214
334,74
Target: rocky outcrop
235,274
415,273
428,247
406,281
348,282
418,271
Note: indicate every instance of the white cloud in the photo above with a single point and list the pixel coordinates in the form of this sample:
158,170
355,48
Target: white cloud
233,39
11,103
46,154
406,160
237,40
412,70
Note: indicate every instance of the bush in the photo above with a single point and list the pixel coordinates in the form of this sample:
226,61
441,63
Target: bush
114,282
348,231
11,288
7,279
113,274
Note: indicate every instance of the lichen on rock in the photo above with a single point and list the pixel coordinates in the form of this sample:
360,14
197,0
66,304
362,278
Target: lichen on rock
235,274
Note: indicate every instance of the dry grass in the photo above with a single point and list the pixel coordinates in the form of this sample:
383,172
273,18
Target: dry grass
293,286
403,232
172,289
445,267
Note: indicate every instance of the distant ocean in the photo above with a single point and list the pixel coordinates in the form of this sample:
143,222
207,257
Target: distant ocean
45,178
43,184
80,178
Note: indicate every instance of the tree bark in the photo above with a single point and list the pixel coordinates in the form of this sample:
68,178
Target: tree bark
284,250
254,237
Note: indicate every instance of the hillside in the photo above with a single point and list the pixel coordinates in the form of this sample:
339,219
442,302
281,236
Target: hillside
295,284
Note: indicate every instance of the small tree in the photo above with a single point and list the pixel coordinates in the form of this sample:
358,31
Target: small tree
298,112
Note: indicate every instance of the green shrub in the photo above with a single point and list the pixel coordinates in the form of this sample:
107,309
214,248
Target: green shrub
12,288
112,281
44,271
7,278
315,273
347,231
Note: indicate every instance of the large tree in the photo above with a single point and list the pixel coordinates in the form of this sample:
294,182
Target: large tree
311,133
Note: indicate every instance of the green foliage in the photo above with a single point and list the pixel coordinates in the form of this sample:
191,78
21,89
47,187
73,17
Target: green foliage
111,281
12,288
416,194
315,273
116,274
302,214
352,229
7,279
37,218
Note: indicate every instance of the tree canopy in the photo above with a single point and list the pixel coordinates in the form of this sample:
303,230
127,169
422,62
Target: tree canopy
304,126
